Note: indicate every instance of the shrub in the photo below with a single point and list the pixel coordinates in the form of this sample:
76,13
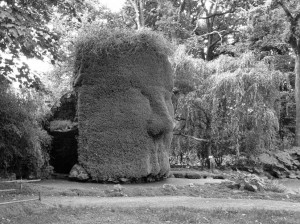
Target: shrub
23,142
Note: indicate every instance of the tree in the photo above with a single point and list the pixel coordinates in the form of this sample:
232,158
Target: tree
24,32
233,108
67,26
24,144
292,37
287,40
138,6
213,23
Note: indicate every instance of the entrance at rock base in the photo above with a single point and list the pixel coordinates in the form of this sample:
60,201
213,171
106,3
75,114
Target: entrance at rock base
63,155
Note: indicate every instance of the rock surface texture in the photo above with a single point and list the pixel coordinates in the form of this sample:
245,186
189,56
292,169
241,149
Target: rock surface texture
125,114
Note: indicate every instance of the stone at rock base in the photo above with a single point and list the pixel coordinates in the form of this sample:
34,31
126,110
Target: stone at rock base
220,177
258,171
277,174
150,179
250,187
295,151
260,186
111,180
171,176
292,176
178,174
191,185
78,173
280,164
296,163
169,187
124,180
118,187
193,176
289,191
233,185
285,159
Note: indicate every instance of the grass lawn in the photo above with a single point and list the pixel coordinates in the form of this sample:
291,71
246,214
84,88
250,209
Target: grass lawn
35,213
204,191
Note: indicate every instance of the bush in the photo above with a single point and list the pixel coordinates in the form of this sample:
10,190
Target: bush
23,142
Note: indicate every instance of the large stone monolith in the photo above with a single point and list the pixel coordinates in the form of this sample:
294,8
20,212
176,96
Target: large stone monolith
125,113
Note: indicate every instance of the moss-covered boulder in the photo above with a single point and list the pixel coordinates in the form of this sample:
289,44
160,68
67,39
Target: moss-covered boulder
125,114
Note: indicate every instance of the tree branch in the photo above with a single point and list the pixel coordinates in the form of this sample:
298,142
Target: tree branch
215,42
192,137
213,32
232,10
286,10
181,9
135,5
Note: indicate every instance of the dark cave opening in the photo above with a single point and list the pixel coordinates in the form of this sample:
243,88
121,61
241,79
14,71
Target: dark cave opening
63,155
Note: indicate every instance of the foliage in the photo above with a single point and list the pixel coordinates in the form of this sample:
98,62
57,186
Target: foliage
23,32
23,142
234,108
189,72
263,31
231,102
111,42
244,106
27,31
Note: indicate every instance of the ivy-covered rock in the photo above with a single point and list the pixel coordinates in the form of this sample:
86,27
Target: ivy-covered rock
125,113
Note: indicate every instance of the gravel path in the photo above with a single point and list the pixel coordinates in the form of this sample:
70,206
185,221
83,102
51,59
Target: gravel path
171,201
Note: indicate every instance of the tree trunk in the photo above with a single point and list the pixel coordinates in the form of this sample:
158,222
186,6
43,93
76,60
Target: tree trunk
293,39
297,99
209,54
142,16
138,6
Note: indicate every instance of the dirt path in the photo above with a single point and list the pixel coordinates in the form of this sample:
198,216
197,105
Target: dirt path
65,184
171,201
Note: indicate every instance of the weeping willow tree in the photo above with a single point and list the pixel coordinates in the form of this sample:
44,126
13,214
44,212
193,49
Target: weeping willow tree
233,110
190,75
